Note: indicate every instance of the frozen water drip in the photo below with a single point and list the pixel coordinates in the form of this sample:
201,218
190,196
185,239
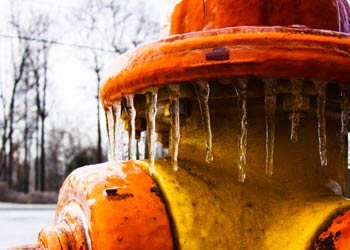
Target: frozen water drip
297,86
110,134
151,111
270,107
202,90
174,94
321,121
241,89
117,131
129,100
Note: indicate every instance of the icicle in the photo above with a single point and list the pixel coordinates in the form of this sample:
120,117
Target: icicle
113,130
132,115
297,86
270,107
117,131
343,17
241,89
151,111
345,109
174,94
202,90
321,120
339,16
110,132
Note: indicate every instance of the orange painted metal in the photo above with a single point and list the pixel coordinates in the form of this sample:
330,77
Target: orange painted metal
277,52
109,206
337,235
255,46
196,15
117,205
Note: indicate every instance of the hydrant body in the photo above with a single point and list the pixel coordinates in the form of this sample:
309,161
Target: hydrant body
252,99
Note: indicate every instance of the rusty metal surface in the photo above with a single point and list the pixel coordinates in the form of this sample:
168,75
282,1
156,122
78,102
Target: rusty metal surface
337,235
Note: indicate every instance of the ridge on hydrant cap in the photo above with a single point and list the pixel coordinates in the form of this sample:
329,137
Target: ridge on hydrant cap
232,35
195,15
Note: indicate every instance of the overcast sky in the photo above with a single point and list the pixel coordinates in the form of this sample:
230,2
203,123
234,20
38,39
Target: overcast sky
72,84
75,84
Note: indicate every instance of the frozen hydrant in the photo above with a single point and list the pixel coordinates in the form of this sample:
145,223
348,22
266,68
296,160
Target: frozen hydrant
251,98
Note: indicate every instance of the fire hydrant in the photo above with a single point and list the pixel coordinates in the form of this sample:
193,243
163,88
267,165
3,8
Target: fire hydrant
251,98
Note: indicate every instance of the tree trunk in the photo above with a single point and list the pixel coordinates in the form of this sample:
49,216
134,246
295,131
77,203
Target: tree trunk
43,117
11,114
10,136
42,156
26,131
37,130
98,78
3,156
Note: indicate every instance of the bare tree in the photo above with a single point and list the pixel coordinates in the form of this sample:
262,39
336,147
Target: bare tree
38,60
29,67
4,137
114,27
18,73
55,161
108,28
25,137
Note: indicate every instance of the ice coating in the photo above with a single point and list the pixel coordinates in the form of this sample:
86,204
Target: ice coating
94,193
270,107
343,16
163,61
345,109
114,127
241,89
117,131
174,94
82,221
129,100
202,90
110,130
151,111
321,121
205,15
165,24
297,86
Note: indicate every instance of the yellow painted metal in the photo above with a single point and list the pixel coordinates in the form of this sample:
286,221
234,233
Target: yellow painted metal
233,215
210,209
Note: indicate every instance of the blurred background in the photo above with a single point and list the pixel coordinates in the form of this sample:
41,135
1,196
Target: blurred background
52,58
53,54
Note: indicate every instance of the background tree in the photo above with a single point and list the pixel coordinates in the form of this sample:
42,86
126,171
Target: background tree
113,27
29,84
39,66
37,150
